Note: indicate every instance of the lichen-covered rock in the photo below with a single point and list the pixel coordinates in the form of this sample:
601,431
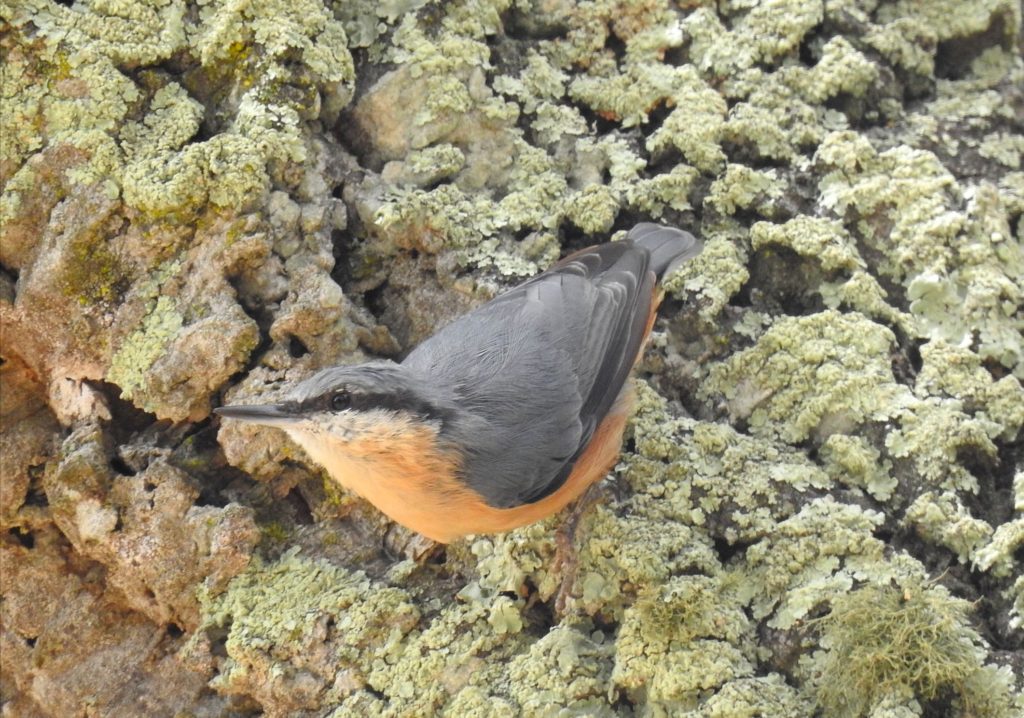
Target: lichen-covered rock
820,508
145,529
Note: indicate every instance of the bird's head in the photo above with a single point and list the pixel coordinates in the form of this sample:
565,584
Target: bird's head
357,409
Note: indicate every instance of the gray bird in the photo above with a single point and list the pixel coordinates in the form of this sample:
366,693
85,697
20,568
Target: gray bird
505,415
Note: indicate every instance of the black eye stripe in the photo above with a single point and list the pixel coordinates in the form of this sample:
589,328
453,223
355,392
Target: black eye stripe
340,400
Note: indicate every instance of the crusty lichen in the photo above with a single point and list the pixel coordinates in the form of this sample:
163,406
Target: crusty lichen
853,461
129,365
957,289
942,519
158,164
821,374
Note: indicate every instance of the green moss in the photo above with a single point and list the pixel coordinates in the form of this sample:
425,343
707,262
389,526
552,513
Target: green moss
275,531
93,273
882,639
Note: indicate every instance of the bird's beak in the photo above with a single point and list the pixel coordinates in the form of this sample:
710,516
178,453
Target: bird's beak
266,414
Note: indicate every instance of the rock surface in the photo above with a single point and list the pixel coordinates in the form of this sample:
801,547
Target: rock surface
820,508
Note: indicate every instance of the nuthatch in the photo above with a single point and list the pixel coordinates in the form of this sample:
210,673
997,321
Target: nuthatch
505,415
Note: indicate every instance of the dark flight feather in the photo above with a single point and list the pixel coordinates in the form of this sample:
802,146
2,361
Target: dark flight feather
537,369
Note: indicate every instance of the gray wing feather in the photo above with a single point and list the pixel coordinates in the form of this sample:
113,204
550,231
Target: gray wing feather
537,369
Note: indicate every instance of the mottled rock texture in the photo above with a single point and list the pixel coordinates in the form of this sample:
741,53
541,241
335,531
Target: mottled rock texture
820,508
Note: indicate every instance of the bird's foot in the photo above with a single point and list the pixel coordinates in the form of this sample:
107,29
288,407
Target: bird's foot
400,542
566,562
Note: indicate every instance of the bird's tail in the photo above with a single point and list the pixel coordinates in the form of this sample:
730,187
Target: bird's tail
669,247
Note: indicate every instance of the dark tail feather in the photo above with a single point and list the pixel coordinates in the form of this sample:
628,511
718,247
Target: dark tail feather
669,247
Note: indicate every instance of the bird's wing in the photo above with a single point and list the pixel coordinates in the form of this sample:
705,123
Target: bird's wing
538,368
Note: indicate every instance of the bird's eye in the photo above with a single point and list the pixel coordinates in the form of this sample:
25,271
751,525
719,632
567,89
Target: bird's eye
341,401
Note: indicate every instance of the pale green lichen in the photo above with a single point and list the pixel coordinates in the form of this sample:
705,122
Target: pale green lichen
957,373
999,555
811,557
627,553
934,436
679,641
275,613
706,474
827,243
593,209
943,520
862,292
754,697
906,206
538,82
158,328
822,240
775,122
668,190
853,461
1004,148
566,670
762,32
714,276
821,374
628,97
949,18
742,187
905,43
426,166
162,170
695,126
143,347
909,188
841,69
